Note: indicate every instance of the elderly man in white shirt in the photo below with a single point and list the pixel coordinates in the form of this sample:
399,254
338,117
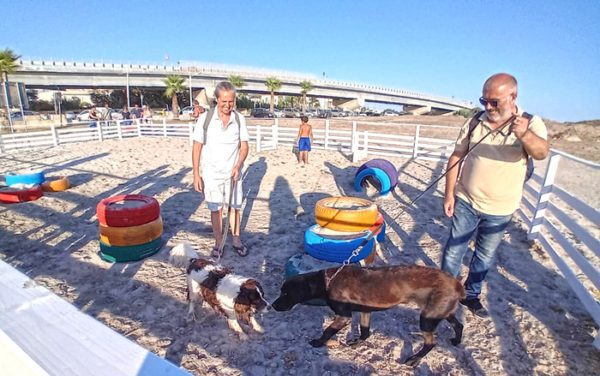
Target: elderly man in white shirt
219,156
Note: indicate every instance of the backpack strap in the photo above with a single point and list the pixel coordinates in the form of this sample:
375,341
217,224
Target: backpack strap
209,116
474,123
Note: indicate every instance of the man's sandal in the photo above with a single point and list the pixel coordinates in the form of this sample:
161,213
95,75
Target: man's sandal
241,250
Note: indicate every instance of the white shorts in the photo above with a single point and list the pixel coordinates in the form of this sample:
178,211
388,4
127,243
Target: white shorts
216,194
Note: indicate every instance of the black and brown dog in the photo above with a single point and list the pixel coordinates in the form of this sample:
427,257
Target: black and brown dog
365,290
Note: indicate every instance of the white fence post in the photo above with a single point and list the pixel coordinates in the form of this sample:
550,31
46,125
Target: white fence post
353,138
100,135
1,145
544,197
366,143
416,143
191,130
326,133
120,129
164,127
276,133
258,137
54,134
139,124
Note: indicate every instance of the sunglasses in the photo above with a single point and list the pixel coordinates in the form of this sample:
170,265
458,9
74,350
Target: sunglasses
492,102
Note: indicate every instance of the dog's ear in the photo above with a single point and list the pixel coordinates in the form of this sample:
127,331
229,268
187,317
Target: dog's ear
245,296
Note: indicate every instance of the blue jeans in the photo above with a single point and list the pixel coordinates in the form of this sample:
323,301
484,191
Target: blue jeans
490,229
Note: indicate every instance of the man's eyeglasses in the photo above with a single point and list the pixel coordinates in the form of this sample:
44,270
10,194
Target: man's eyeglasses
492,102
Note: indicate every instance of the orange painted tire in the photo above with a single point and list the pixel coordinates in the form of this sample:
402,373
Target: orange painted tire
346,213
58,184
11,195
133,235
127,210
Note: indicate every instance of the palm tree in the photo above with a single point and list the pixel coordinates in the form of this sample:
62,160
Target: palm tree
306,86
273,84
8,64
175,86
237,81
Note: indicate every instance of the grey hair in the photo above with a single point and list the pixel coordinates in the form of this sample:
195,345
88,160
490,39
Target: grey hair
223,86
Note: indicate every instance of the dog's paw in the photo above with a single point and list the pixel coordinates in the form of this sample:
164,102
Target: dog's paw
316,343
243,336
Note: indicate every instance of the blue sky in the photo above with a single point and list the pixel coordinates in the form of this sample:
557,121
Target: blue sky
445,48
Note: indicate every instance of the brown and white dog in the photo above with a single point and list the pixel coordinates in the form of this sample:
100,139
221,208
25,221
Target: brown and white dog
365,290
235,297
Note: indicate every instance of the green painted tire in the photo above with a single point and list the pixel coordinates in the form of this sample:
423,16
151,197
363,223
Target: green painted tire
129,253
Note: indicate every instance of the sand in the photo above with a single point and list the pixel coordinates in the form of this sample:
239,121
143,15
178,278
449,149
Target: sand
537,325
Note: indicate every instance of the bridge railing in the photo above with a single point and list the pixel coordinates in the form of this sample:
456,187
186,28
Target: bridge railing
556,218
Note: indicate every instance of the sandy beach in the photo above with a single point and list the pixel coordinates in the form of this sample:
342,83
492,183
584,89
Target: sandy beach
537,324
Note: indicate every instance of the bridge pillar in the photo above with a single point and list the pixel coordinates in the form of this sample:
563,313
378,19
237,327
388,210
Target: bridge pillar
417,110
348,104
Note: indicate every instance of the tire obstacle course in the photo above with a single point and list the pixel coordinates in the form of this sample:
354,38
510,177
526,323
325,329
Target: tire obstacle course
130,227
30,186
343,224
380,173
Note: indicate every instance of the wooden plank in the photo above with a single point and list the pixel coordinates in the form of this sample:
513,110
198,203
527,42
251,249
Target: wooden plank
580,233
588,269
590,304
575,203
63,341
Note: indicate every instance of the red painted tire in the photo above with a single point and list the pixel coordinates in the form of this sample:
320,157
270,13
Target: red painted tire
127,210
10,195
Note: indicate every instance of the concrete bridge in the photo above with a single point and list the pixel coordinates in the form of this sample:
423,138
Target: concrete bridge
60,75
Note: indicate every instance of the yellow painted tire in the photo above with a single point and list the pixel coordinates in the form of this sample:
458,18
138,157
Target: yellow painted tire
345,213
133,235
56,184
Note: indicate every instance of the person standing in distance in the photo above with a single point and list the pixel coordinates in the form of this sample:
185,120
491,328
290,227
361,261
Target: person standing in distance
482,195
219,156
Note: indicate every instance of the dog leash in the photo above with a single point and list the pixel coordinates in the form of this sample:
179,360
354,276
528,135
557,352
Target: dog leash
411,203
232,185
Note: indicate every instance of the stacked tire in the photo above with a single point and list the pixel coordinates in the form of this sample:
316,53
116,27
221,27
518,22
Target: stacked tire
344,225
22,187
380,173
130,227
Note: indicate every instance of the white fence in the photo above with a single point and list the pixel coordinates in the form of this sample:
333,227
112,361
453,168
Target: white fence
573,248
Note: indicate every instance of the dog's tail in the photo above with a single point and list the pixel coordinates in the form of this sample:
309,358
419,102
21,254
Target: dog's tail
181,255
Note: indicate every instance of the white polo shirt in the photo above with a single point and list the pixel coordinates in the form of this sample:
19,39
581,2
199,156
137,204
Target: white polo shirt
222,149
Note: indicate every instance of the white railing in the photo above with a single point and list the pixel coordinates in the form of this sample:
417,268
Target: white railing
558,220
561,232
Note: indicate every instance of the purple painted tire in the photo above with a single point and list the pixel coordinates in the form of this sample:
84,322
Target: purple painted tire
384,165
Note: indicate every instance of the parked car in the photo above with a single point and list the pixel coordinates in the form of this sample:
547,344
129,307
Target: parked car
112,114
278,113
291,113
188,110
390,112
261,113
19,116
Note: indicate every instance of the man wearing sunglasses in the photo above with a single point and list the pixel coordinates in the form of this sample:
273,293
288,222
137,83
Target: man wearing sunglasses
483,193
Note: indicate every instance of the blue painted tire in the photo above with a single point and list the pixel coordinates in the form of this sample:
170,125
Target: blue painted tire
384,165
376,173
32,178
129,253
336,250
